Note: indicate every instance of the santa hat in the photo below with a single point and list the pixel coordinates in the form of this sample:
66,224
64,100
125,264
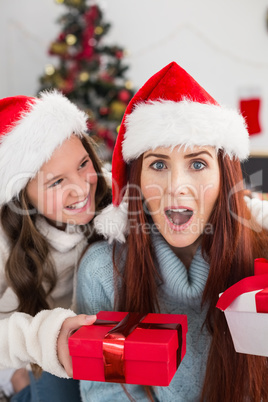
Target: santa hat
30,130
170,109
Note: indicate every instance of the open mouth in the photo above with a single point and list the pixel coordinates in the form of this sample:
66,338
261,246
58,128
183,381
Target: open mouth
78,205
179,216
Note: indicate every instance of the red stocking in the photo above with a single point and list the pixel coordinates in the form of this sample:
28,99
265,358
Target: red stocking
250,108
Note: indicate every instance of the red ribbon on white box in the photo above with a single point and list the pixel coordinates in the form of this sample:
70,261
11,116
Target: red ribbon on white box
249,284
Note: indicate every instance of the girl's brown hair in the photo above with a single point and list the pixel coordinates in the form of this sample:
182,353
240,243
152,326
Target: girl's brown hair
230,251
29,269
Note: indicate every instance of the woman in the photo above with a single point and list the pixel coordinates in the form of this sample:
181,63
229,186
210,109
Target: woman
189,235
51,186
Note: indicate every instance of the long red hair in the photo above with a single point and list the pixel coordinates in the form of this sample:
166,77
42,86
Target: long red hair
230,251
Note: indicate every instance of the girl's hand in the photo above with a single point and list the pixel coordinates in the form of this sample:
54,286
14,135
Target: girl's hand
69,326
20,379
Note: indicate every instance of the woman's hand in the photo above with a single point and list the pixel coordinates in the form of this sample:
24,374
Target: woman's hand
69,326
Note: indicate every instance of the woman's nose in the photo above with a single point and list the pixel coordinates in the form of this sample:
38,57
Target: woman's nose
178,183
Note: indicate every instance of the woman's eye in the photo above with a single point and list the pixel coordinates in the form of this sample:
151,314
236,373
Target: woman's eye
159,165
83,164
198,165
56,183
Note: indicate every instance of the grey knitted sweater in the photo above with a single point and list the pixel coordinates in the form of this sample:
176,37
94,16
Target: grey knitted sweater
180,293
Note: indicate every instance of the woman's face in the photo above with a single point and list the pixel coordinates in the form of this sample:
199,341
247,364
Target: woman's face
64,188
180,189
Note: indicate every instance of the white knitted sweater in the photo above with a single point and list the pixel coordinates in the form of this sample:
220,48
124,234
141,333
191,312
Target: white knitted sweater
23,338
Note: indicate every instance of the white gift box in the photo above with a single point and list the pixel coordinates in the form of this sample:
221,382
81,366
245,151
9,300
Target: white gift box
248,328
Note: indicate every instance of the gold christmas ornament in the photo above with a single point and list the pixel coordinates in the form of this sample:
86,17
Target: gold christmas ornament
59,1
49,69
61,83
59,47
117,109
98,30
129,85
84,76
71,39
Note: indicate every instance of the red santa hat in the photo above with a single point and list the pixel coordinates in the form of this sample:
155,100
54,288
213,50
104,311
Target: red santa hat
30,130
170,109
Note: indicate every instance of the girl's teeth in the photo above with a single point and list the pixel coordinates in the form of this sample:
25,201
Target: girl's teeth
78,205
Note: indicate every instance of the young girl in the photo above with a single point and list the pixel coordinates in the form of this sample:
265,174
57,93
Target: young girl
51,186
182,234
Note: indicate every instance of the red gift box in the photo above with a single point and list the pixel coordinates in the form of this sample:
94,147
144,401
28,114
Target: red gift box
148,352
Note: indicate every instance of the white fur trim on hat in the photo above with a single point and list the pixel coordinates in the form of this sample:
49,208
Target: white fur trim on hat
112,222
168,123
31,142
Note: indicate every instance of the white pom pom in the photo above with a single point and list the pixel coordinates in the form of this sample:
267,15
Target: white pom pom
112,222
259,210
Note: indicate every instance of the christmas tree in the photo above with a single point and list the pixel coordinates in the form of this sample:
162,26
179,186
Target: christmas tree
90,73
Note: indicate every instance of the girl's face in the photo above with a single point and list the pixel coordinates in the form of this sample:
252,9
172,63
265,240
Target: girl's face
180,189
64,188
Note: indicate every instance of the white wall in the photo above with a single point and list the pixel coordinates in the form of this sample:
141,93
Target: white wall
223,44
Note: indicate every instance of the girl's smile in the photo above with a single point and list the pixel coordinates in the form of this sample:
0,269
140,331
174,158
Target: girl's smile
80,206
